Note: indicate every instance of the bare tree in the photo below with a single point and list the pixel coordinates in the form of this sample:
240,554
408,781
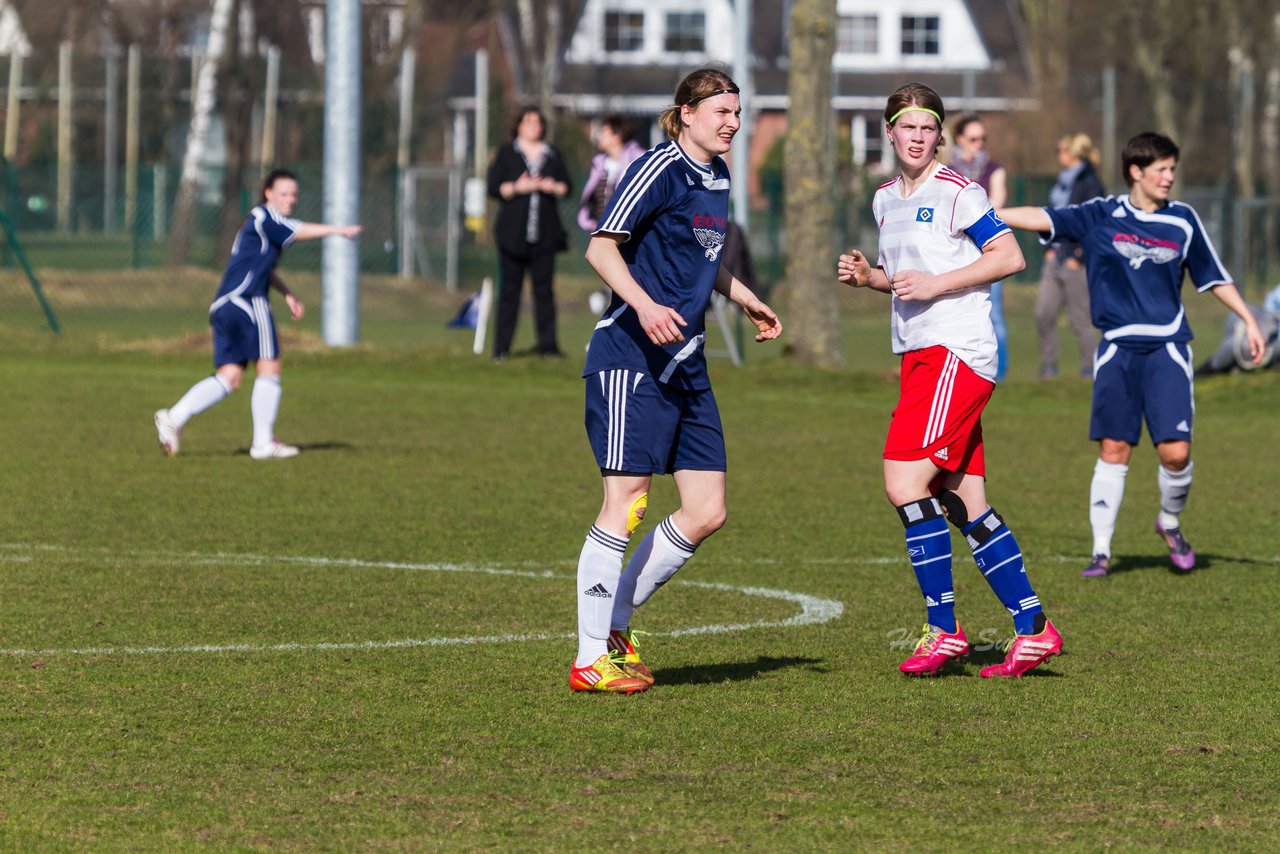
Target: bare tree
203,101
535,34
809,173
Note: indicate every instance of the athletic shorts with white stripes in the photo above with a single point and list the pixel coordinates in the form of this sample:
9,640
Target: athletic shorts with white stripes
638,426
244,331
939,412
1130,384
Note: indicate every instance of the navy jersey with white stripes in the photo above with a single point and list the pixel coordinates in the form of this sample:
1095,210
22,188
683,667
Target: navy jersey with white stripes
265,234
1135,263
673,212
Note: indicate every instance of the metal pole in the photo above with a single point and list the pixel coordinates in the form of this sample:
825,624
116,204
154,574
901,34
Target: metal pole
270,109
482,113
66,164
453,229
340,272
741,186
111,146
405,210
159,201
408,62
133,80
13,105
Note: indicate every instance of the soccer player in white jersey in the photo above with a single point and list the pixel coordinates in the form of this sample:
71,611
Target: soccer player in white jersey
941,247
649,405
244,329
1137,248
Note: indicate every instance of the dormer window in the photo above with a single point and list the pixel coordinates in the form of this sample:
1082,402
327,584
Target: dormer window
858,35
623,32
920,35
686,32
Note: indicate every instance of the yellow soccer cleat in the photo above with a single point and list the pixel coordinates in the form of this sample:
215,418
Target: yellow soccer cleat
624,643
604,674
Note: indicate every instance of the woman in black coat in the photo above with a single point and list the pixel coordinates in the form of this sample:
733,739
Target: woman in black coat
529,177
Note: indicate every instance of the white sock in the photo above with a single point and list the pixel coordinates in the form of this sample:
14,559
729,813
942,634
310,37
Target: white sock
265,404
1105,495
1174,486
656,559
599,566
198,398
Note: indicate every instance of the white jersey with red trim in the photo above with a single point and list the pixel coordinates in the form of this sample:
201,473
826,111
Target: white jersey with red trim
940,227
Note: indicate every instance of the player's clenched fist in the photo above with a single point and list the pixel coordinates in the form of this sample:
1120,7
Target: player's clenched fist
853,269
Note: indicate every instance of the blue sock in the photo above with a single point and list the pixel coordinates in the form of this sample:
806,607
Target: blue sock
929,548
997,554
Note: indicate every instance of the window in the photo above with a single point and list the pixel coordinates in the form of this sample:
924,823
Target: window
858,34
623,31
920,35
686,31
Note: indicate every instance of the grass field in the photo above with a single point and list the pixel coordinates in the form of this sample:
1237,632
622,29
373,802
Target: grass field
367,648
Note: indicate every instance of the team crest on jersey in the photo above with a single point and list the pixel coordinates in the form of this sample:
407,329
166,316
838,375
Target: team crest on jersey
1138,249
924,214
712,241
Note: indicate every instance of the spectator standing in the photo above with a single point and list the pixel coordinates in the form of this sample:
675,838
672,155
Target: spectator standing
617,151
529,177
1062,278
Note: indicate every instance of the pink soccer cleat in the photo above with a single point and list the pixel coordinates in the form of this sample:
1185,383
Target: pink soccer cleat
1026,652
934,650
1180,551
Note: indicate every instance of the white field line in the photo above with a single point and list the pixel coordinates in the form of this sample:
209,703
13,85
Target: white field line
813,609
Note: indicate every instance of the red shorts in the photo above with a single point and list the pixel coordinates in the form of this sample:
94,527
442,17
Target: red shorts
939,412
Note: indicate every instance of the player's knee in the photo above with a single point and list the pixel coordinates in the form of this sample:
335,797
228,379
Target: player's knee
1175,460
953,508
635,513
230,380
705,522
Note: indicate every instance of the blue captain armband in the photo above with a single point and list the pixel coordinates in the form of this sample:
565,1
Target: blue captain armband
988,227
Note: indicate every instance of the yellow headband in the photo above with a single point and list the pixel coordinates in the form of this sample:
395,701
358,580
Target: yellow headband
915,109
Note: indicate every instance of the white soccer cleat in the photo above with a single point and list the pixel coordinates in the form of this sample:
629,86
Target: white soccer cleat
274,451
169,433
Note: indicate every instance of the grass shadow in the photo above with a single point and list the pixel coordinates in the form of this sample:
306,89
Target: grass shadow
734,671
1137,563
310,446
980,658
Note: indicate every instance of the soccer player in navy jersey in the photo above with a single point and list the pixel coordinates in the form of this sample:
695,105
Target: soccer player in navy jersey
649,405
244,329
1137,248
941,247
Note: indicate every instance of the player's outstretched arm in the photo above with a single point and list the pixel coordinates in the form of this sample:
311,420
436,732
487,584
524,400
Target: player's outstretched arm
853,269
313,230
1026,218
661,323
1229,296
768,326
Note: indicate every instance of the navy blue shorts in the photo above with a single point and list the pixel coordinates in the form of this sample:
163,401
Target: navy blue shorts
1131,384
244,331
638,426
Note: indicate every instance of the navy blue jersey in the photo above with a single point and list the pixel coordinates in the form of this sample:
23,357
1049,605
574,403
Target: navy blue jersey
265,234
673,212
1135,262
